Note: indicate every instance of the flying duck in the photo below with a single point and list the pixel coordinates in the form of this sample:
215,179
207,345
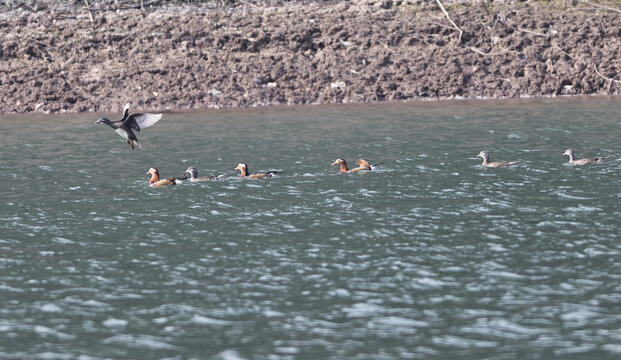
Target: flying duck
193,173
155,179
570,153
362,165
129,124
243,168
483,154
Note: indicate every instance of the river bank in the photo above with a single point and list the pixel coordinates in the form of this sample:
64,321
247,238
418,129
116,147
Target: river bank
184,57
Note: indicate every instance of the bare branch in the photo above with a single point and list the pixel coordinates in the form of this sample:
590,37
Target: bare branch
532,32
386,46
440,24
450,20
90,12
425,41
487,54
561,50
249,3
601,6
610,80
128,7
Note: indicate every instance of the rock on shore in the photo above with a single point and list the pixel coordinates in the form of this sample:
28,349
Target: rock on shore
300,53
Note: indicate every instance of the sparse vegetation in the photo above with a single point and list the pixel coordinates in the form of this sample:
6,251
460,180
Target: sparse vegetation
187,54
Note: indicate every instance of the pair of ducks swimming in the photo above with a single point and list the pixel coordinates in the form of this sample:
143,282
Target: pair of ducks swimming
192,173
568,152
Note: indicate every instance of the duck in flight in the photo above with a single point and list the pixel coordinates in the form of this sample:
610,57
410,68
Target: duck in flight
483,154
131,124
572,160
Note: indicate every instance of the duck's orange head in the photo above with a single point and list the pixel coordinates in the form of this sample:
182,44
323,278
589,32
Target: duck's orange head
153,171
338,162
241,166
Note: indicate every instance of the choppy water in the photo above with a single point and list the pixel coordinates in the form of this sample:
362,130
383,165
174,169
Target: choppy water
430,256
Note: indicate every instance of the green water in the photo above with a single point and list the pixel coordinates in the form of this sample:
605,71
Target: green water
428,256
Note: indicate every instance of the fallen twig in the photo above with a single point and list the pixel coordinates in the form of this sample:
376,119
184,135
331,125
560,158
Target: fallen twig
531,32
450,20
601,6
440,24
141,6
487,54
249,3
45,54
561,50
33,9
425,41
610,80
386,46
90,12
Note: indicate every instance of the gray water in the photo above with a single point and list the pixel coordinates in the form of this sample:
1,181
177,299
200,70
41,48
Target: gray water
428,256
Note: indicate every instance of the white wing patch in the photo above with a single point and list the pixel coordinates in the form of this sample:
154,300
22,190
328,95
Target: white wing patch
146,120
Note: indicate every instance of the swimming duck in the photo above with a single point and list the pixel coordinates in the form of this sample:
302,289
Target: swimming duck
570,153
193,173
155,179
243,168
362,165
485,156
129,124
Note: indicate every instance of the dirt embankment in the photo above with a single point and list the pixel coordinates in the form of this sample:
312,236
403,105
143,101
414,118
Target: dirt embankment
350,51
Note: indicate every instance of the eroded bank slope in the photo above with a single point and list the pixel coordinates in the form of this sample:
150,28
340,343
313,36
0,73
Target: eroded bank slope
350,51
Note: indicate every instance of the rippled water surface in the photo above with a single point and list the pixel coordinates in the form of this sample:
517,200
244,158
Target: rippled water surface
428,256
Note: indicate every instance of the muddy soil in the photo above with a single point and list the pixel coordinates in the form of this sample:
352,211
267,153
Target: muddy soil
174,57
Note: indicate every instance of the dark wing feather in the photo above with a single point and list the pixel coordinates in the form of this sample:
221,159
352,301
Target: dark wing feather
137,122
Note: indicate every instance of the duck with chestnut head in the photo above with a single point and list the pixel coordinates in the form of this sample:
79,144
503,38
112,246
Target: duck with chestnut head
245,173
363,165
156,182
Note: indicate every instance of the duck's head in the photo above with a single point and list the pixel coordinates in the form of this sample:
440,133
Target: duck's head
192,171
483,154
338,162
569,152
102,120
241,166
153,171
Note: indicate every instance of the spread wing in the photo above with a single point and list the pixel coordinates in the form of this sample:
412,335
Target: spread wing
125,115
137,122
125,112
